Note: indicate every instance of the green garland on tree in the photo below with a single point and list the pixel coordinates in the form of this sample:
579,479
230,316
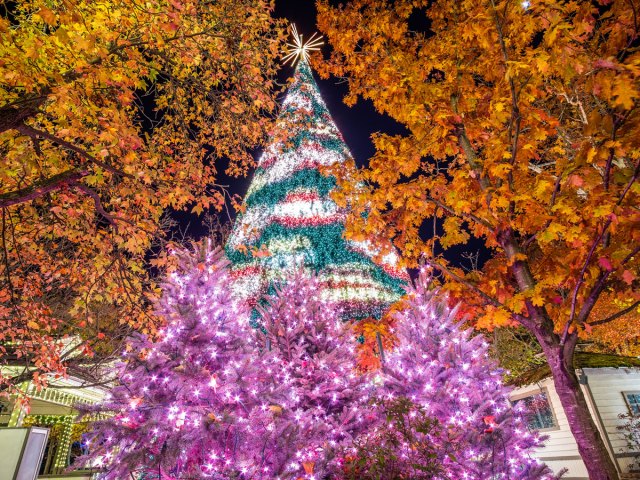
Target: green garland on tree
290,221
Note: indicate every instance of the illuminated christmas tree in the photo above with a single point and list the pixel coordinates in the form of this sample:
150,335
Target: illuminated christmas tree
182,408
290,221
319,402
469,428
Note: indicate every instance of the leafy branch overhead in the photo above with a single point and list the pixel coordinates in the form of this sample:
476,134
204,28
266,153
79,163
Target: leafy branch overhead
522,134
110,114
522,121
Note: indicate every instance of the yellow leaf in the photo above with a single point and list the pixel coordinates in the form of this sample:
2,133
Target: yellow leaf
624,92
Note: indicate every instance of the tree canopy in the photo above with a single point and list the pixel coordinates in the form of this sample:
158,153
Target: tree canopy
522,131
522,122
112,112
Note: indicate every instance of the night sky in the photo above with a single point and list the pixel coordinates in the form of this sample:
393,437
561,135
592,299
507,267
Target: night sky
356,123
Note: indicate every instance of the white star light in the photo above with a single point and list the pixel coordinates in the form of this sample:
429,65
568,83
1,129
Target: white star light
299,49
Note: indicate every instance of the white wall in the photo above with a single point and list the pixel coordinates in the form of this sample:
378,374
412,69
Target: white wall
11,442
560,449
41,407
605,386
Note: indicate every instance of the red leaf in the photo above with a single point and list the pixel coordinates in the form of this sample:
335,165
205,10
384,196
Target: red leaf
628,276
605,63
605,263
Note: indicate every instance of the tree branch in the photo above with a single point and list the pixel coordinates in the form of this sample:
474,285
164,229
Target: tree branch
34,133
574,297
632,180
599,286
465,143
16,113
619,314
98,205
514,124
465,216
475,289
604,274
41,188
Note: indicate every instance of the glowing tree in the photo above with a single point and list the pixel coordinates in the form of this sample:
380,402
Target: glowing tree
182,405
318,402
290,221
447,375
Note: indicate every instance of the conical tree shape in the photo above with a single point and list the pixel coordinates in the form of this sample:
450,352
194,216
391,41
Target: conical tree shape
182,406
290,221
319,403
446,372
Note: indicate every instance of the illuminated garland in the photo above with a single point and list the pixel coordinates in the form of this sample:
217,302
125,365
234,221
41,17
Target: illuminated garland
291,222
60,460
276,192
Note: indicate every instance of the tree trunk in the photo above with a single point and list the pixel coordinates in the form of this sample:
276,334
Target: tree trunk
559,353
590,443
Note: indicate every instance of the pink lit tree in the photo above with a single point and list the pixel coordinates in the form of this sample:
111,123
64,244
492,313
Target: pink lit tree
183,403
215,398
318,401
447,411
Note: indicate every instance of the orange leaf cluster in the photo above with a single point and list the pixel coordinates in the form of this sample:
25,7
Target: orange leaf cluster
111,113
523,124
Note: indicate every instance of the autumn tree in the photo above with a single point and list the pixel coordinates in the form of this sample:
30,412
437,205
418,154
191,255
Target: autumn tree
112,112
522,127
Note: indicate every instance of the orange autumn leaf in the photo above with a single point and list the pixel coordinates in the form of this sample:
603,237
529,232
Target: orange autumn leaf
520,135
108,121
539,192
308,467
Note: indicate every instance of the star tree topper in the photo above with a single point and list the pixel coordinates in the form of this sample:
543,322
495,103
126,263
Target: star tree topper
300,49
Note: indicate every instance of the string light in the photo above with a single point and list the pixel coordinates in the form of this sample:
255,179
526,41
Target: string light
291,222
217,398
64,443
445,371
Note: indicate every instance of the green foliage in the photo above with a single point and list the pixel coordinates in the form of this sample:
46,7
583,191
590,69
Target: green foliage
516,350
378,457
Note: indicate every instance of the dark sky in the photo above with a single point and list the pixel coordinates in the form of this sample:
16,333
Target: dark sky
356,123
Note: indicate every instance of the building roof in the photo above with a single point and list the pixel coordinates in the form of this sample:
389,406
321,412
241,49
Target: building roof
582,360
